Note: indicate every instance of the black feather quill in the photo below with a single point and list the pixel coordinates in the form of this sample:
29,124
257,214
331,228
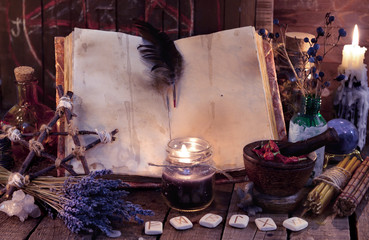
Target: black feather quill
161,54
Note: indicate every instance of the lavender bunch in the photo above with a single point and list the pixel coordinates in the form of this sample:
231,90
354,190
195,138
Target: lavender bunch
85,203
93,202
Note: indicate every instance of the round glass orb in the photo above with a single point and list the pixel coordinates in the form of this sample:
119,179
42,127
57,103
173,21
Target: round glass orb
348,137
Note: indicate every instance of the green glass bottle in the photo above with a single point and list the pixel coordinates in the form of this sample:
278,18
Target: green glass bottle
307,123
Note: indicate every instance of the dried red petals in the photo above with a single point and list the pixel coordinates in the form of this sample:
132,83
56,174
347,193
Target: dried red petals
270,152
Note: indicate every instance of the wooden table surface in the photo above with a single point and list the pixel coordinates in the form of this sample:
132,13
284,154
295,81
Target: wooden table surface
225,205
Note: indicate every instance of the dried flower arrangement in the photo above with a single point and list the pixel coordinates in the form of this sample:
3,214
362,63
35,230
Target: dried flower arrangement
308,76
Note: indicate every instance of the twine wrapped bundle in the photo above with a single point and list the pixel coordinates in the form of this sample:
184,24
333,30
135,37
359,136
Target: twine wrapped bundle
331,182
354,192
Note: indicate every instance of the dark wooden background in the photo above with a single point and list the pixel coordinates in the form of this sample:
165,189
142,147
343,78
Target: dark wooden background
307,15
28,28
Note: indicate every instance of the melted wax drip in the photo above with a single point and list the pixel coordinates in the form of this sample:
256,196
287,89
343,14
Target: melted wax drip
351,103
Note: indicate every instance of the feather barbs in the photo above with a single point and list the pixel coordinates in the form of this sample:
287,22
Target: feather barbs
161,54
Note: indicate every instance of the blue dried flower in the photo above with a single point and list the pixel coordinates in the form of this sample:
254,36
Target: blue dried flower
313,69
319,58
340,77
313,40
270,35
331,19
316,46
276,21
327,84
321,74
316,76
311,51
306,39
311,59
320,31
276,35
342,32
261,31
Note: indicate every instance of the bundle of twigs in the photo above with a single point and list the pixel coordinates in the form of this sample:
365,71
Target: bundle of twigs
330,182
353,193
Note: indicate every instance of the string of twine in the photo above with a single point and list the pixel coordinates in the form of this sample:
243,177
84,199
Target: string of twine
72,131
17,180
79,151
12,133
193,166
64,102
46,128
105,137
36,146
58,162
335,176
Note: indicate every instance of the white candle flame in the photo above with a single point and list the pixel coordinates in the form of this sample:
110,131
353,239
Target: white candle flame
355,36
184,155
184,152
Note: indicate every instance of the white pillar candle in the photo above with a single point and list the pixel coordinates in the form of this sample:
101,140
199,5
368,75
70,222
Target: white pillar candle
353,94
353,59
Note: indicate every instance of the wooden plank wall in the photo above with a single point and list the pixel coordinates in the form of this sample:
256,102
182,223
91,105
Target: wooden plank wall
28,28
307,15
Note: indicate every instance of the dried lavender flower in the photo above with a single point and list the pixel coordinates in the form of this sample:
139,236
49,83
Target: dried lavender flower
92,203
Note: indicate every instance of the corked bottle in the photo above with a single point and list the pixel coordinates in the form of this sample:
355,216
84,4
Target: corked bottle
28,114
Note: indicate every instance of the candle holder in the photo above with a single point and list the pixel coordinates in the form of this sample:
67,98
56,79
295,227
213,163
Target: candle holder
188,176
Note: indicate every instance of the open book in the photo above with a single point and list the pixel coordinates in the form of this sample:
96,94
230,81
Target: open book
223,97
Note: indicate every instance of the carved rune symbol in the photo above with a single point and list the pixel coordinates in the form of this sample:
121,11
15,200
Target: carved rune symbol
266,223
153,224
212,218
296,221
180,219
238,216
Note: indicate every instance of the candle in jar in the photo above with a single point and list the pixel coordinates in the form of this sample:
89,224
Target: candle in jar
187,182
187,192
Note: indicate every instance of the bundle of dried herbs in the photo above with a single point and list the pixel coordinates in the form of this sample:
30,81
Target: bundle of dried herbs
353,193
85,203
330,182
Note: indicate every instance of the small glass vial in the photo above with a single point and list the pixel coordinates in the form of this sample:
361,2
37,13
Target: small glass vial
28,114
188,177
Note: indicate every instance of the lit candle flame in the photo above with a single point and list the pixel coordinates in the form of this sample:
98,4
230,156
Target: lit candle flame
184,155
355,36
184,152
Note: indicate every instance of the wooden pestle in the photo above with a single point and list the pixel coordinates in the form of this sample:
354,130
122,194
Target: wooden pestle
309,145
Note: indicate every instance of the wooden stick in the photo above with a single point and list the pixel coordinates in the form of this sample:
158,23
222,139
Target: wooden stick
50,157
32,153
81,132
69,157
77,143
322,194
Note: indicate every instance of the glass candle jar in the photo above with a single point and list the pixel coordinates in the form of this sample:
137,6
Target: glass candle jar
188,176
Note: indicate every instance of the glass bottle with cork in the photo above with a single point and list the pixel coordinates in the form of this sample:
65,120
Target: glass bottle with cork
28,114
